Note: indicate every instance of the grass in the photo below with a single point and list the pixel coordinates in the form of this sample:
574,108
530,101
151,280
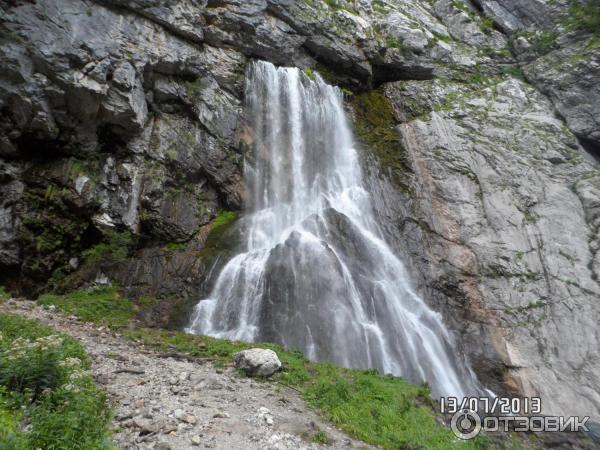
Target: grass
381,410
45,383
320,437
102,305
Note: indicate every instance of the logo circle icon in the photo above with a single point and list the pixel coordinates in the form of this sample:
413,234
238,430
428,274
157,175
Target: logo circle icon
466,424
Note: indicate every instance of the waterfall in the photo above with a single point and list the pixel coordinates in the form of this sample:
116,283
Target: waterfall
315,274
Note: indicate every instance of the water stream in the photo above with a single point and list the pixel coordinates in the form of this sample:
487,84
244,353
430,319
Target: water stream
315,274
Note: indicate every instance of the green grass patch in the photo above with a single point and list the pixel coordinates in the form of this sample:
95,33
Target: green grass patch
45,382
103,305
320,437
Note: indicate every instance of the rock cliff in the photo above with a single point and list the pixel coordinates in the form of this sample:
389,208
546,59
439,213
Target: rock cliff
122,136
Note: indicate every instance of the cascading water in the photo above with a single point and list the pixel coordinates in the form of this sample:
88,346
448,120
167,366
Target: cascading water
316,274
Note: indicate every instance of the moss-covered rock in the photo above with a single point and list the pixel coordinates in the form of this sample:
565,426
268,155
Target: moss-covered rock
376,129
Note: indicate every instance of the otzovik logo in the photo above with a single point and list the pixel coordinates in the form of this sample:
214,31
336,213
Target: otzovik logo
466,424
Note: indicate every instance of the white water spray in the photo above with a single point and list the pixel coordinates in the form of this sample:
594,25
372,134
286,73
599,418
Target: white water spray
315,274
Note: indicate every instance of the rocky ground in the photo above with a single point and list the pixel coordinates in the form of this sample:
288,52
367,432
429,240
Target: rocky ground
162,401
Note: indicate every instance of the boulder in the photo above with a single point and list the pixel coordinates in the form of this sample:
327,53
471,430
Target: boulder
257,362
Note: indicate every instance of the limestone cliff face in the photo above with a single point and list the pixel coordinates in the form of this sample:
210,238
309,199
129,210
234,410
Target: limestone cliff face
122,138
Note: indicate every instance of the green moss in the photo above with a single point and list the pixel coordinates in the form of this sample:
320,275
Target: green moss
376,127
218,241
172,247
309,73
223,219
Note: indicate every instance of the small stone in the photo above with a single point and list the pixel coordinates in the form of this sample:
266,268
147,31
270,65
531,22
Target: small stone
189,418
162,446
196,440
183,376
122,416
221,415
145,425
179,414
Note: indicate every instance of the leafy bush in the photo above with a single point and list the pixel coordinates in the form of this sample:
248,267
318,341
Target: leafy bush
44,381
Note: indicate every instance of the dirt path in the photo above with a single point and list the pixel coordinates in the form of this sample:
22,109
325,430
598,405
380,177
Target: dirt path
165,403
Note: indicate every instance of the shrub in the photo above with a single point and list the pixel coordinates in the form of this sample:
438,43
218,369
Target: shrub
44,381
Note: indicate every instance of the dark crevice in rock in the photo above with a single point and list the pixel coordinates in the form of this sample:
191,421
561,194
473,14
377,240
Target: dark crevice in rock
591,147
33,148
389,73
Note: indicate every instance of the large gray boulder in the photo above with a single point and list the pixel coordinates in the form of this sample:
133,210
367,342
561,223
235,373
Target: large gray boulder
257,362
